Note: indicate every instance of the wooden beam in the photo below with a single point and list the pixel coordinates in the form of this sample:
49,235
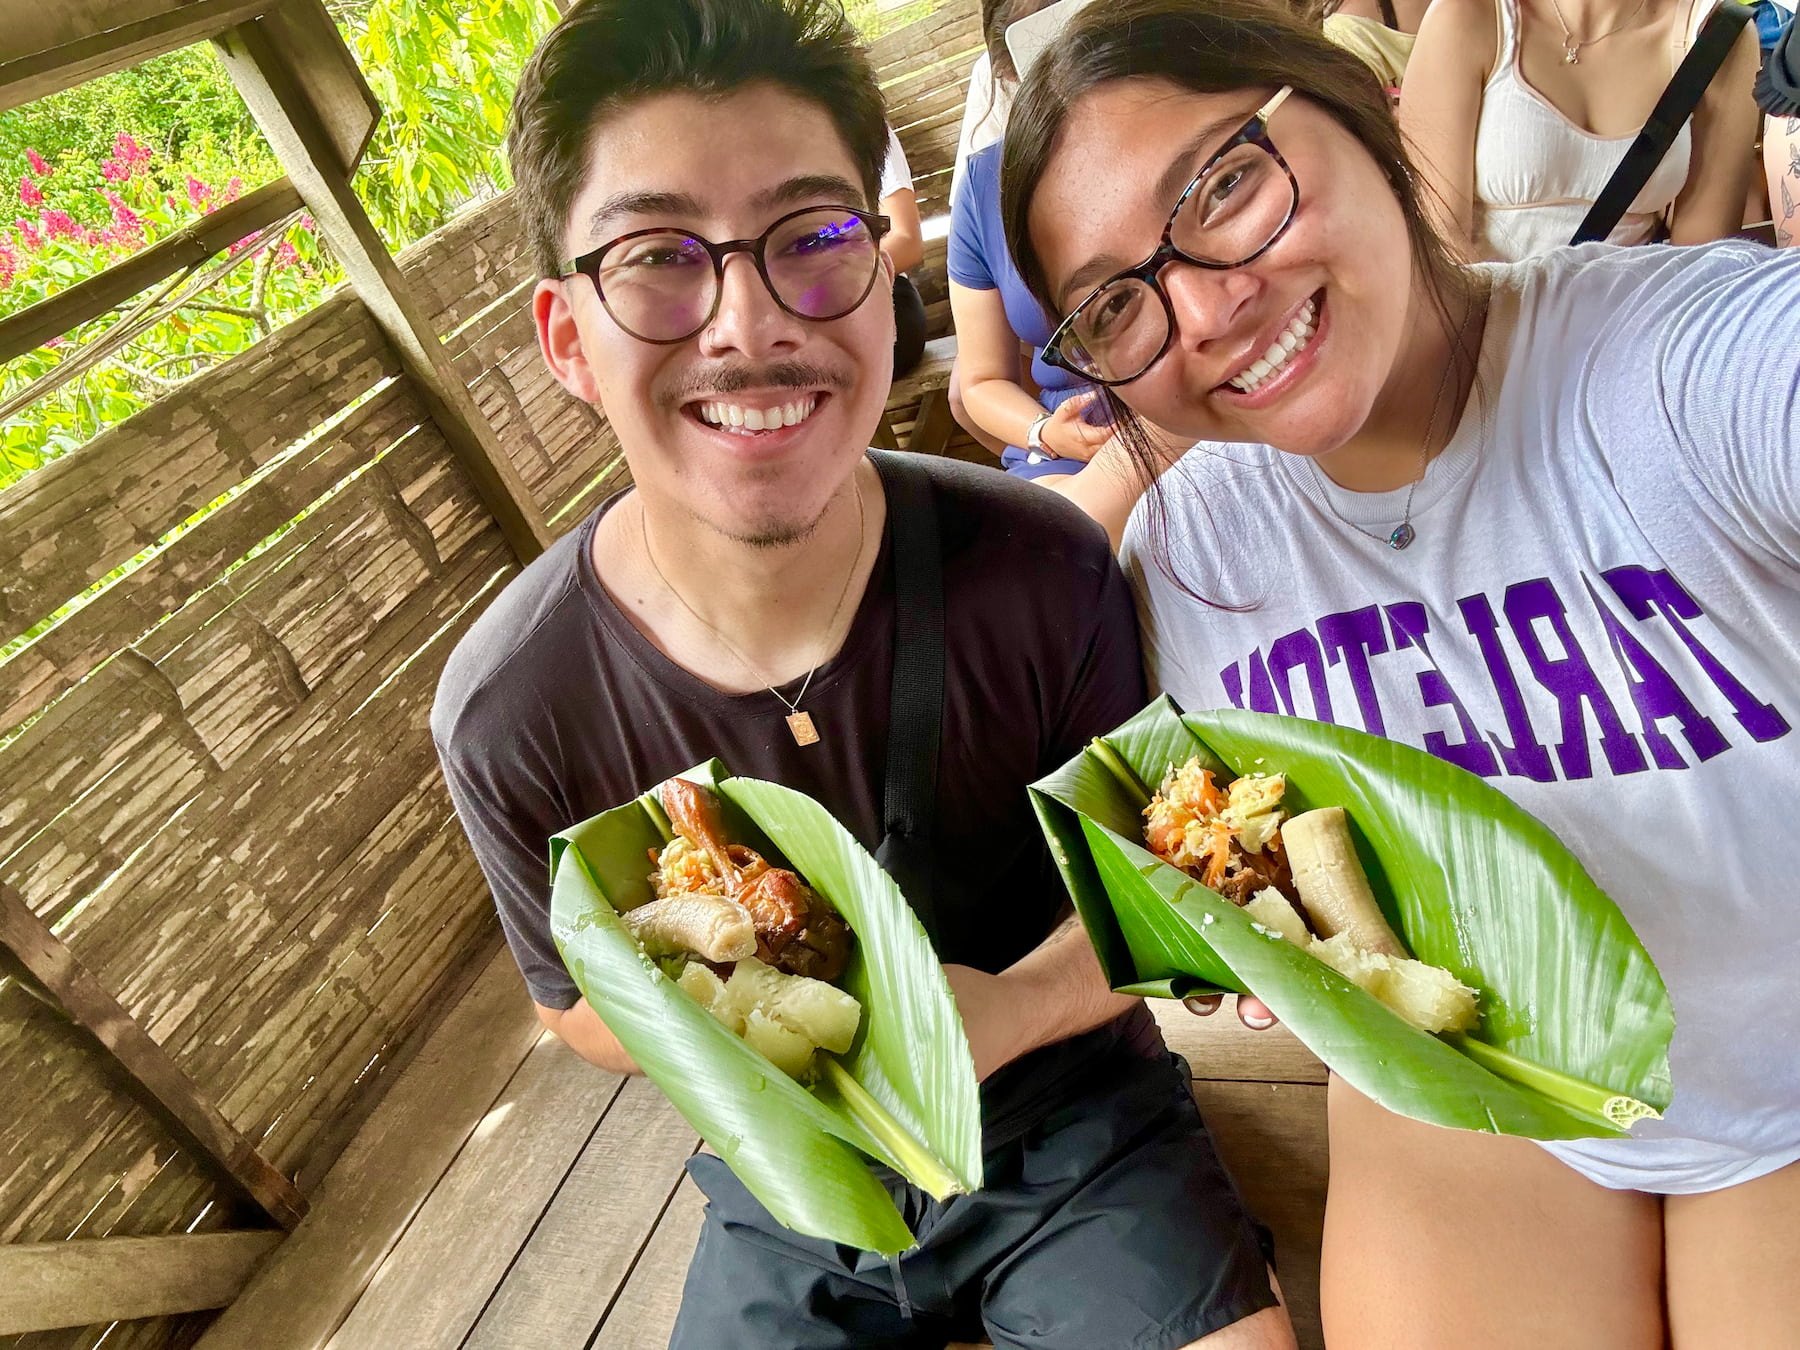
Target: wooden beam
89,1281
28,75
56,315
27,944
266,79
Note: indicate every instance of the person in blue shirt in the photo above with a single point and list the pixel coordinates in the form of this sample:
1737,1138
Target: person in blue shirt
1047,420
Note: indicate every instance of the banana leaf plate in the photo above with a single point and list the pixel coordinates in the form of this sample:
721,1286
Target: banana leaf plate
1575,1022
905,1093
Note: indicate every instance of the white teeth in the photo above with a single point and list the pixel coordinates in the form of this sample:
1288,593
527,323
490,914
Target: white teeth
733,417
1291,339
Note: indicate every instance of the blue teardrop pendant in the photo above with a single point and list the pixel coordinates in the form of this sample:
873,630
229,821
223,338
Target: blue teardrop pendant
1402,536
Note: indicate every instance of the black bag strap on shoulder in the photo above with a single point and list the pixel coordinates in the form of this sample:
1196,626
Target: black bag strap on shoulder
916,706
1672,110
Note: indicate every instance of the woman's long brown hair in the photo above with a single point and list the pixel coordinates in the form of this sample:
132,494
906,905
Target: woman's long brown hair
1208,47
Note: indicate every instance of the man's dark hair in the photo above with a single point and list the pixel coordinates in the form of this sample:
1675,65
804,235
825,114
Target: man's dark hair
607,53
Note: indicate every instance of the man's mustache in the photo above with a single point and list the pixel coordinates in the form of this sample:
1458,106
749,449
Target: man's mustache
729,378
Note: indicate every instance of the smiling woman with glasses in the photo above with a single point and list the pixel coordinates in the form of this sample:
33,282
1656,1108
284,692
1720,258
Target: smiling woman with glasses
1541,519
1230,213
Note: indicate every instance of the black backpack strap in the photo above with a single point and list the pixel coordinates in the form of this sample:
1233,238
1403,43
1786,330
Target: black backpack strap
916,706
1676,105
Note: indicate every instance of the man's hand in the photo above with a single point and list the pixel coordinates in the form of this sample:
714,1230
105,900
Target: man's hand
1251,1011
581,1029
1054,992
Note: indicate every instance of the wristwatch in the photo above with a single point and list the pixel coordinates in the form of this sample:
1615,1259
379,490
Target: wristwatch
1036,452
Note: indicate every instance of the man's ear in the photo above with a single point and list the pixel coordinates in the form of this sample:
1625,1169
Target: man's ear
560,339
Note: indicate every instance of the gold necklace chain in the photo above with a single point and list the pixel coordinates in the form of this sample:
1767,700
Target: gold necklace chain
799,723
1572,47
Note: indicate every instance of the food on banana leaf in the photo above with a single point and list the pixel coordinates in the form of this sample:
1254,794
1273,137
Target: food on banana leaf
796,930
751,943
1298,879
785,1017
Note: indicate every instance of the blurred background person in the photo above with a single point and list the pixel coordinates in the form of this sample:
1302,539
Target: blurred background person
904,245
1519,111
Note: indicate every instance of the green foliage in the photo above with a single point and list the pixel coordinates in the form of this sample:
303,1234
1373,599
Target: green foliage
444,72
82,215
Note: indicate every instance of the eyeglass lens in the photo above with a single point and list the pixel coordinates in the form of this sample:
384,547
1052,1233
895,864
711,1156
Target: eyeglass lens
663,286
1230,216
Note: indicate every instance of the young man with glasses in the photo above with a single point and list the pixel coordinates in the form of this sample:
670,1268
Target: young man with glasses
697,179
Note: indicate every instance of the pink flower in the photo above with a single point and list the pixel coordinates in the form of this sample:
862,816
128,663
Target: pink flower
233,187
116,170
199,194
128,223
39,165
29,233
61,225
30,194
286,255
131,151
9,264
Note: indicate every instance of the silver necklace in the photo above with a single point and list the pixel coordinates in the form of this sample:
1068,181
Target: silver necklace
800,724
1403,533
1572,46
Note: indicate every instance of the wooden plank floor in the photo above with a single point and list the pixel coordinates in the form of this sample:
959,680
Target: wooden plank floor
566,1222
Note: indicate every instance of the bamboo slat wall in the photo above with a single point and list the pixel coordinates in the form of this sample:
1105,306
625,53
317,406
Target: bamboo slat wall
224,797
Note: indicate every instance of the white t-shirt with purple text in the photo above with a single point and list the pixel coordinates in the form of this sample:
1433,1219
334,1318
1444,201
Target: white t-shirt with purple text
1600,615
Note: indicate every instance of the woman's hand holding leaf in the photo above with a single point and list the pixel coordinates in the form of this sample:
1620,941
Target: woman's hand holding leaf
1251,1011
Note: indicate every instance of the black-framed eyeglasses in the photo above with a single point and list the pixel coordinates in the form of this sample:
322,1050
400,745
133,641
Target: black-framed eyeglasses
1232,211
662,285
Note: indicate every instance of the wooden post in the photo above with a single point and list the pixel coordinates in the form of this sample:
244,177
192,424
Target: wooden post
90,1281
270,86
30,950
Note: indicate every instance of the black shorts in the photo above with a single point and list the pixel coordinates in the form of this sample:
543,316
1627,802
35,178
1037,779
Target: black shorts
1110,1225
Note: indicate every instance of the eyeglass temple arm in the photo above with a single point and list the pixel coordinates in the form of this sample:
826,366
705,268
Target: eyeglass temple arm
1268,109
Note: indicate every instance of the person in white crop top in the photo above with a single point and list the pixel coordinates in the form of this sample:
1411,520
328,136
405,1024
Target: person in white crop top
1516,140
1539,519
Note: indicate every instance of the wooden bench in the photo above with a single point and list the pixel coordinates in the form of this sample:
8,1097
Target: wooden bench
506,1193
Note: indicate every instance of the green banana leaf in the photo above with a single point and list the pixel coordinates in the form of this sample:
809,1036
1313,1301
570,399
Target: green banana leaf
1574,1035
905,1094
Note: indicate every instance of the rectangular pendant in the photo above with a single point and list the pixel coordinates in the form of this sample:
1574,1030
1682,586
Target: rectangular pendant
801,724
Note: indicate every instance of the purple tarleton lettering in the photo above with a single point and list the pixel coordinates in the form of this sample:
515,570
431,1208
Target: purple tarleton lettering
1290,651
1410,625
1656,696
1644,593
1233,680
1262,693
1526,757
1353,637
1571,680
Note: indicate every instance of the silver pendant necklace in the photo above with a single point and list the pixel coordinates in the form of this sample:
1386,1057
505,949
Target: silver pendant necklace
1572,45
1403,534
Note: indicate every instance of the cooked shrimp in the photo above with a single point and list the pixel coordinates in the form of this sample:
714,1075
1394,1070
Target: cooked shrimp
694,814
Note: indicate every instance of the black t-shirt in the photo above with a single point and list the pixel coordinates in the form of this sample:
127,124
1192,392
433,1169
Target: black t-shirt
555,707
